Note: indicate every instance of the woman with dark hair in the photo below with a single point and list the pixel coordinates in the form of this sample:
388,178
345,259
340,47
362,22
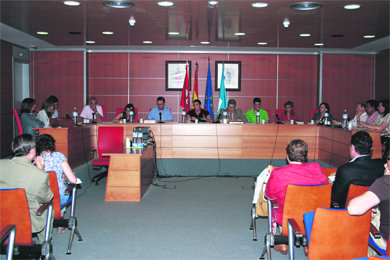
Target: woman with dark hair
46,112
28,118
382,122
320,116
55,161
125,114
289,113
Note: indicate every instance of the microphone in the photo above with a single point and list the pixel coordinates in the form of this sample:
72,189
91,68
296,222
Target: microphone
277,117
160,116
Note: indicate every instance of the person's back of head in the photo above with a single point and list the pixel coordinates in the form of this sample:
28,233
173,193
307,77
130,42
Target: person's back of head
45,142
22,145
297,150
27,105
362,142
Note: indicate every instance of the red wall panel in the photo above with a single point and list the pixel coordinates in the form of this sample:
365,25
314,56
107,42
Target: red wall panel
382,82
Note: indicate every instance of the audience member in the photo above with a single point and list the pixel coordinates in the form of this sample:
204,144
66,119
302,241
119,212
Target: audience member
361,170
297,172
46,112
28,119
20,172
125,114
54,100
93,111
251,113
160,112
199,113
378,193
382,121
289,113
233,114
320,116
372,113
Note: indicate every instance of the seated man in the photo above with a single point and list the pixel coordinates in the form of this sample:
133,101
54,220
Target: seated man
378,193
361,170
20,172
93,111
198,113
251,113
297,172
160,112
371,111
233,114
360,115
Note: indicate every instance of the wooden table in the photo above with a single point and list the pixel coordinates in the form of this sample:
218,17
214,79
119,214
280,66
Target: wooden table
130,173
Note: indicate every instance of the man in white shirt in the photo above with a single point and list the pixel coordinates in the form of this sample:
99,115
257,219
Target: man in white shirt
93,111
361,115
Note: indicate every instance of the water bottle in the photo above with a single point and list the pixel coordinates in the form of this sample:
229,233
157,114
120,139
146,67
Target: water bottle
326,121
258,117
75,115
224,117
183,116
140,139
131,117
345,119
134,139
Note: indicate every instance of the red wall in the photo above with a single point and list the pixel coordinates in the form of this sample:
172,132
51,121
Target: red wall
382,83
118,78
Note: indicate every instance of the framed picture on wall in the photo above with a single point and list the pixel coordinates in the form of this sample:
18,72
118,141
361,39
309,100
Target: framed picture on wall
175,72
232,75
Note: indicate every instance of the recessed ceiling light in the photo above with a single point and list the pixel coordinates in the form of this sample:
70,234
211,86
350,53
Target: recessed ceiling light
42,33
213,3
147,42
90,42
318,44
352,6
107,33
259,5
305,6
165,3
305,34
173,33
239,34
262,43
205,43
118,4
71,3
369,36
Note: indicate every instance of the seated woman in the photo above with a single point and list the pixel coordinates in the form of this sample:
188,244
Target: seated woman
199,113
382,122
46,112
55,161
319,118
28,118
289,113
125,114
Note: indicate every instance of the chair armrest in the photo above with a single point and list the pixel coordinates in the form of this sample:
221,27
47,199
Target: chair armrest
69,189
274,204
374,231
296,229
43,208
4,233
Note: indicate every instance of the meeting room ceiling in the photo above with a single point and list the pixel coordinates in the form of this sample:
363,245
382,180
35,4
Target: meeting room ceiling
196,23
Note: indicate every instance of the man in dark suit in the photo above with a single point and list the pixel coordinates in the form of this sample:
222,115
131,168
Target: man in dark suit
233,114
361,170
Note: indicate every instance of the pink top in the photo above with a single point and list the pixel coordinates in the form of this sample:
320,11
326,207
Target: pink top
298,174
371,119
283,117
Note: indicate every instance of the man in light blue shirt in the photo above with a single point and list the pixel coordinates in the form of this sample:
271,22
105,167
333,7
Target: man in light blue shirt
160,113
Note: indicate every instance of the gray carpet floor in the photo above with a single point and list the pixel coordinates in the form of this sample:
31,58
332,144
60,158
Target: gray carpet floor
182,218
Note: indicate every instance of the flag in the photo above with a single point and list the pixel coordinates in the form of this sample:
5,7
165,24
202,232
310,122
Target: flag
222,102
195,94
185,95
208,97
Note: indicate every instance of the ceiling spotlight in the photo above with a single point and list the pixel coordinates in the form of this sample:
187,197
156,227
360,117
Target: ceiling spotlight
259,5
118,4
305,35
212,4
90,42
352,6
132,21
262,43
71,3
239,34
305,6
205,43
173,33
318,44
165,3
107,33
42,33
369,36
286,22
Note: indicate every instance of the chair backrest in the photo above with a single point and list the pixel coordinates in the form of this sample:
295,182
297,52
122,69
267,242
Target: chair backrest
104,112
17,119
354,191
119,110
328,170
312,112
109,137
14,211
300,199
337,235
56,194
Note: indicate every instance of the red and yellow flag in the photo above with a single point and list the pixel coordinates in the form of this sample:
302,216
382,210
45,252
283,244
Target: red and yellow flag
195,94
185,95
